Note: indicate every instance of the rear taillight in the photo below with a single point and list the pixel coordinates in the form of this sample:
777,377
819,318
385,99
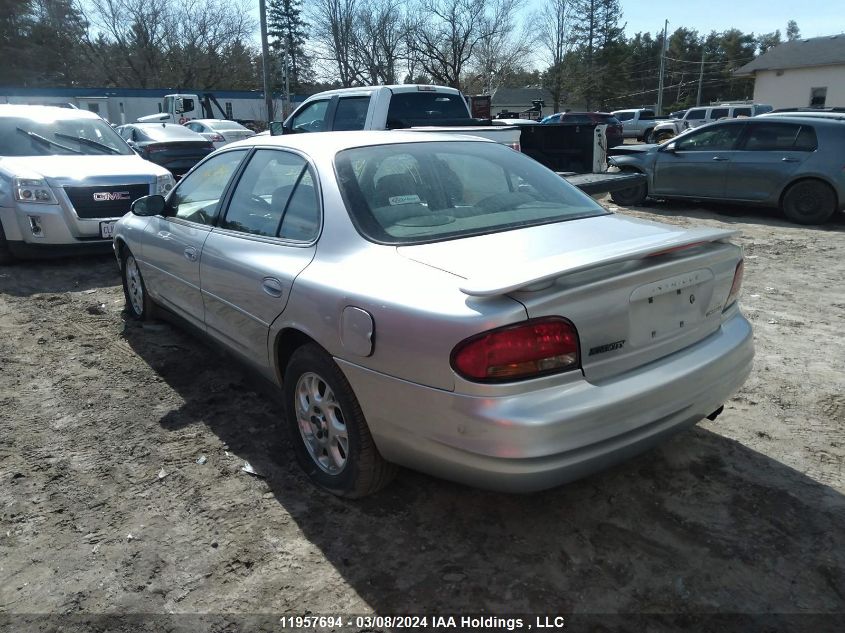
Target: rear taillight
526,350
515,146
736,286
217,138
155,148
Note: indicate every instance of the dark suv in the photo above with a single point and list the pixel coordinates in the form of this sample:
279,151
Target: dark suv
614,125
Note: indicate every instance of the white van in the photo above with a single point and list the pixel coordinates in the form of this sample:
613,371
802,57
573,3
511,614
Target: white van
697,116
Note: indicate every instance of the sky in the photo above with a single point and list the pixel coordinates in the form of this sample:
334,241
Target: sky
814,17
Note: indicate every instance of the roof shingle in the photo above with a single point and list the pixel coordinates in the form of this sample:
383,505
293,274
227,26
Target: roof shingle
818,51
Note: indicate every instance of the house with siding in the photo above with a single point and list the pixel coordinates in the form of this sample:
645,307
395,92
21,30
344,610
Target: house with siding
799,74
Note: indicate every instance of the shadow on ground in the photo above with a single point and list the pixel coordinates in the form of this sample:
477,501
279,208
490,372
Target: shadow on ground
702,525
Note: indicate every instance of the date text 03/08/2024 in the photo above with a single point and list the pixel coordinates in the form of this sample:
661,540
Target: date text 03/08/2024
488,623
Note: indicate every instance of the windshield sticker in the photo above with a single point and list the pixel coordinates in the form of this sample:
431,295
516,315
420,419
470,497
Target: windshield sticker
410,199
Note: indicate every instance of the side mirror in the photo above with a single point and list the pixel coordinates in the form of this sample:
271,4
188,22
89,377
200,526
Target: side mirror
671,147
277,128
148,206
180,105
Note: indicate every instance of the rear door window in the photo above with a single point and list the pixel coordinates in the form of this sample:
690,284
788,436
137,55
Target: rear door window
351,113
718,113
763,137
696,114
275,197
625,116
742,112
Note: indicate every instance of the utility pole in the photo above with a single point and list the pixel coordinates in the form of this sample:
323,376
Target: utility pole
287,83
265,61
700,77
662,66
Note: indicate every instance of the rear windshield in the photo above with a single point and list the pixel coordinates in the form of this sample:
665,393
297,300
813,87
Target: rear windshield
412,193
424,106
48,136
159,132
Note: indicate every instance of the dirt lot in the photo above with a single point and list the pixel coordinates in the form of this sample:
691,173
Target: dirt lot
104,508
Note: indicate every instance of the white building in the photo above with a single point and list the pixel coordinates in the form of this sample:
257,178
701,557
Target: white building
800,74
125,105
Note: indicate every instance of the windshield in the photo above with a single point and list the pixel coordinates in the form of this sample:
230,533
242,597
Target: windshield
45,136
429,191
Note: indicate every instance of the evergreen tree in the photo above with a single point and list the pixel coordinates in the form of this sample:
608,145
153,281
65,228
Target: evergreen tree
288,32
792,31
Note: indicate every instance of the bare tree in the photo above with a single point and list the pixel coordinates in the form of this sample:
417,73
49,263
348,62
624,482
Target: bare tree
378,39
553,24
152,43
503,44
443,36
333,29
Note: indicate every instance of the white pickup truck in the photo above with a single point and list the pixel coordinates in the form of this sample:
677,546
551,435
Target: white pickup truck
414,107
441,109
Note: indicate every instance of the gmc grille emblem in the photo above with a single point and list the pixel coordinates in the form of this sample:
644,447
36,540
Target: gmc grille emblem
105,196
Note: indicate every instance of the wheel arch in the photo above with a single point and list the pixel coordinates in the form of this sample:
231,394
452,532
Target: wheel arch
287,341
805,177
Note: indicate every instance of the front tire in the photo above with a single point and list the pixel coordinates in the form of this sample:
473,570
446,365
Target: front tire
663,136
138,303
809,202
631,196
6,256
328,431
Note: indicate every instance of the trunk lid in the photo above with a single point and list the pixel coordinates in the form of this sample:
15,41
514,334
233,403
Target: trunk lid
635,290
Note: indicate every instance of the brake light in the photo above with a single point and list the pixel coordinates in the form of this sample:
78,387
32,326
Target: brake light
514,146
736,286
526,350
675,249
156,148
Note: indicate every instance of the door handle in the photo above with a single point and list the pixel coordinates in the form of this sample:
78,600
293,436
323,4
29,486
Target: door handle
191,254
720,158
272,286
787,159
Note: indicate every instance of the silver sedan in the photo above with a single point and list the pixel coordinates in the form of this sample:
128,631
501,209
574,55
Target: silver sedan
443,303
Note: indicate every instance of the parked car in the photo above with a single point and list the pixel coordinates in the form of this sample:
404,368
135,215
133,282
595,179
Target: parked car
615,133
170,145
819,114
442,303
219,131
637,123
65,178
698,116
795,163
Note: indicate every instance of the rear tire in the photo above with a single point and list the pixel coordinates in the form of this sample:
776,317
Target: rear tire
809,202
631,196
647,135
6,256
328,431
138,303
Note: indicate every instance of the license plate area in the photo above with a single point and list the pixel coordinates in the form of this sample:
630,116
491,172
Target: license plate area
107,229
670,307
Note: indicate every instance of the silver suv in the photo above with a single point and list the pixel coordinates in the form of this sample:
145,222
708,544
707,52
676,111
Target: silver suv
698,116
65,178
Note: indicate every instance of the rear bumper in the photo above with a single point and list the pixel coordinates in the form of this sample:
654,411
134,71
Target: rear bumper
543,438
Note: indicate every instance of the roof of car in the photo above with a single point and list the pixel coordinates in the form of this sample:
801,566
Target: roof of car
313,143
39,111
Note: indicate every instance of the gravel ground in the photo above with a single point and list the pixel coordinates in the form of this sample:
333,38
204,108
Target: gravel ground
121,489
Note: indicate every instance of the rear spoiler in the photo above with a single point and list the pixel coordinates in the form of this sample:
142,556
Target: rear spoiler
545,270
